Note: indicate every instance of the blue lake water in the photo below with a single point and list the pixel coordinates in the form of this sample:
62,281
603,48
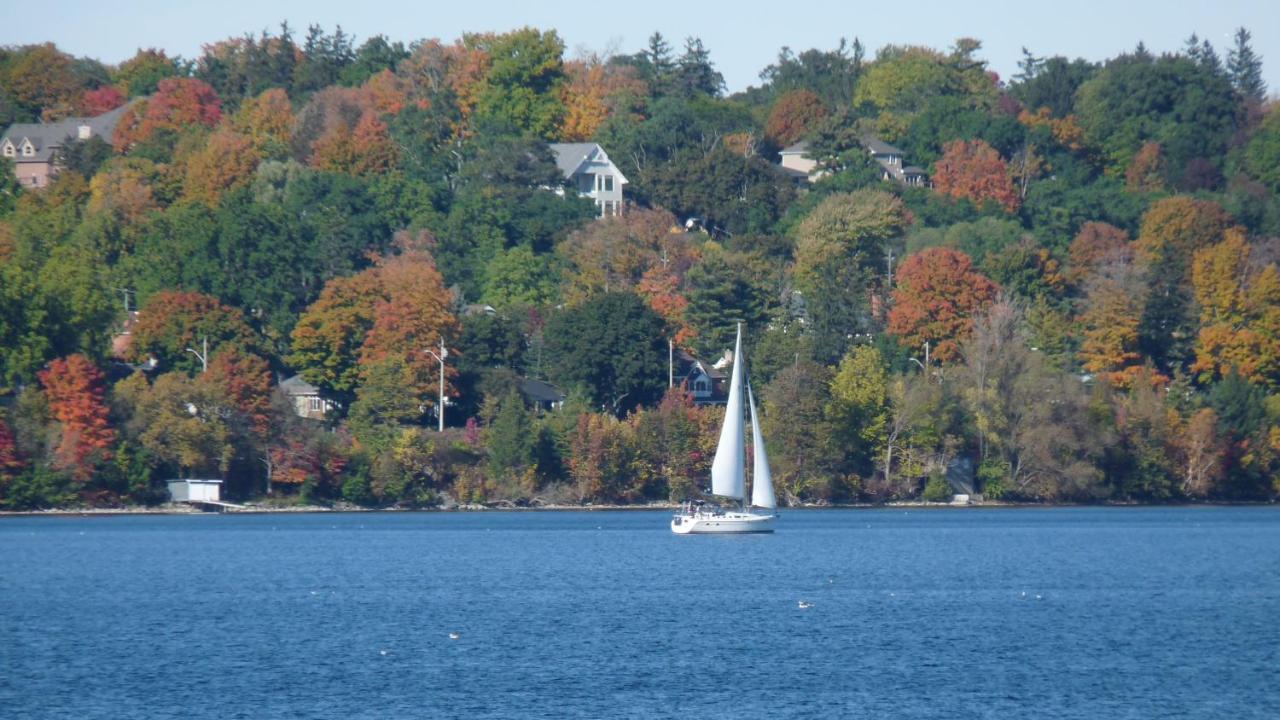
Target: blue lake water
1046,613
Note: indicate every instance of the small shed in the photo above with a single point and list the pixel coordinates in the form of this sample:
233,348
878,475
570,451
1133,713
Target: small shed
192,490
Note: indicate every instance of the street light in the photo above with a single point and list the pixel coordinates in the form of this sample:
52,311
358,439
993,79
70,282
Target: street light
444,353
204,356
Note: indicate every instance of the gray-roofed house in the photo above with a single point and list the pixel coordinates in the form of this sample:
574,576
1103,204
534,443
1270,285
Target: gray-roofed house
704,382
587,168
892,163
306,398
33,146
544,396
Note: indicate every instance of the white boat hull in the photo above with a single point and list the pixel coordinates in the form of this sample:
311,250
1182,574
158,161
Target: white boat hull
730,523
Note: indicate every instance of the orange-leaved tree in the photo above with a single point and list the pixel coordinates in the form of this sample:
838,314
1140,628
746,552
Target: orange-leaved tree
1095,244
177,104
938,294
794,115
75,389
1113,307
227,161
172,321
1239,313
973,169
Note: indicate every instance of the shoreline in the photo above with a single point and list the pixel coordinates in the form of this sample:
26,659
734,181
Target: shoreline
179,509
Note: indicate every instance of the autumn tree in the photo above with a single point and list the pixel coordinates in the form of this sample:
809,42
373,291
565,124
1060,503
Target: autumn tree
225,162
1113,309
171,322
596,90
1145,172
1239,313
100,100
614,253
973,169
938,293
393,310
1173,229
41,82
1096,244
267,121
76,391
177,104
794,116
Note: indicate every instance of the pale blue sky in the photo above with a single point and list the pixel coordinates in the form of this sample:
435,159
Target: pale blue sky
743,36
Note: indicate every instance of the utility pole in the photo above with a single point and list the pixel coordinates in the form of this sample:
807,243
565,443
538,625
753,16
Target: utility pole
444,353
204,356
671,363
926,352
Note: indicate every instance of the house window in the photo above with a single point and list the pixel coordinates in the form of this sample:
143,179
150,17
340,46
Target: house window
586,183
28,151
314,404
608,183
8,150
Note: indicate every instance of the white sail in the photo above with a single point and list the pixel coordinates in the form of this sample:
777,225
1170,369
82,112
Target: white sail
761,478
729,466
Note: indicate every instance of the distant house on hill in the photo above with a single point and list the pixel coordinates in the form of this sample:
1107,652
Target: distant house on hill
798,165
544,396
704,382
306,398
893,163
587,168
33,146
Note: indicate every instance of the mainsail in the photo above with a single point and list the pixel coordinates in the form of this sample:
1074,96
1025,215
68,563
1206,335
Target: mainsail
761,478
729,465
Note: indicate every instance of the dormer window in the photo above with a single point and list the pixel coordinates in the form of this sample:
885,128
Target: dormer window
8,149
83,132
28,150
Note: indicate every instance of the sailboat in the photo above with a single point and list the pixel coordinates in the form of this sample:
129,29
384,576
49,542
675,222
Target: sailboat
729,471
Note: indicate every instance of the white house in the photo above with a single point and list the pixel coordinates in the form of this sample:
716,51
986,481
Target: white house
195,490
587,168
798,165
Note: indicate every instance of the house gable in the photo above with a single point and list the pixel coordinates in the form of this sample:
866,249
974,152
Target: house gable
586,168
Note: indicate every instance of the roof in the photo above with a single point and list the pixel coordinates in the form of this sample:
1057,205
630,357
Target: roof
687,363
879,147
539,391
296,386
796,149
570,156
47,137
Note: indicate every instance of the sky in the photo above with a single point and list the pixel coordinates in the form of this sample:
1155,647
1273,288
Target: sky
744,36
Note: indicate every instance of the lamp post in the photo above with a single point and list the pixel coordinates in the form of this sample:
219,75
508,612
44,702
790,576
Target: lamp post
204,356
444,353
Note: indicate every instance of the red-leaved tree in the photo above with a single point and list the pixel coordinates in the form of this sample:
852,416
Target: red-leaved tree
938,294
75,389
973,169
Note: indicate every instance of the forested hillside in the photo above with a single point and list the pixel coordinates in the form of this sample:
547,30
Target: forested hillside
1081,304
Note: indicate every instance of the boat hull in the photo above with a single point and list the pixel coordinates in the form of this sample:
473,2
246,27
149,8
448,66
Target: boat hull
733,523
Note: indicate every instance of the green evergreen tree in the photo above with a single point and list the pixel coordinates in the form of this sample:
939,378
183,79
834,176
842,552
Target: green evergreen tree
1245,69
